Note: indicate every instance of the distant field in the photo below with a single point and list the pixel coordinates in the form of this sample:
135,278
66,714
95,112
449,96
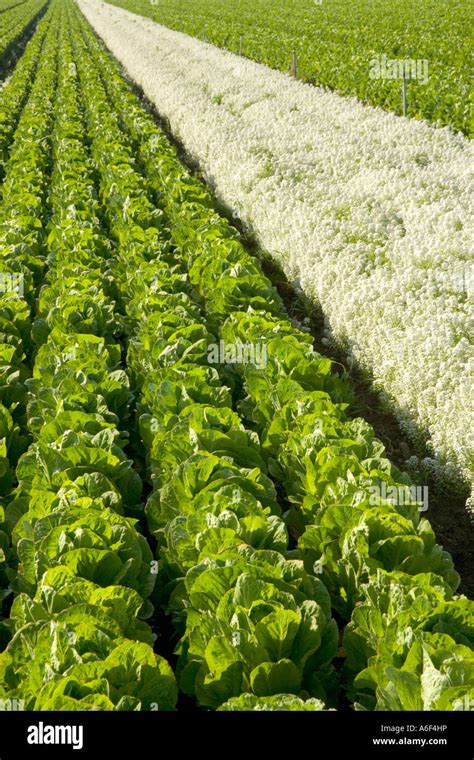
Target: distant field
336,43
15,16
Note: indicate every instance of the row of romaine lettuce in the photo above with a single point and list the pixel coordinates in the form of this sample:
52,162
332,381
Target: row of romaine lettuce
79,636
16,90
379,560
252,623
330,468
22,197
23,194
14,21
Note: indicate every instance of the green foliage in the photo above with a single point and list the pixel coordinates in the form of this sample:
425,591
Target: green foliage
335,48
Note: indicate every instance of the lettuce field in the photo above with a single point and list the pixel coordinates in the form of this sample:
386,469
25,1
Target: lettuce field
15,19
194,514
336,44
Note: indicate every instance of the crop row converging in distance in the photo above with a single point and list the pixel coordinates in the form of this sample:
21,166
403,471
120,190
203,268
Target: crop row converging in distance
122,277
15,18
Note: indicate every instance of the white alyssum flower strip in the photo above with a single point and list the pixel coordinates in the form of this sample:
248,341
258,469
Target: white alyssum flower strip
368,212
